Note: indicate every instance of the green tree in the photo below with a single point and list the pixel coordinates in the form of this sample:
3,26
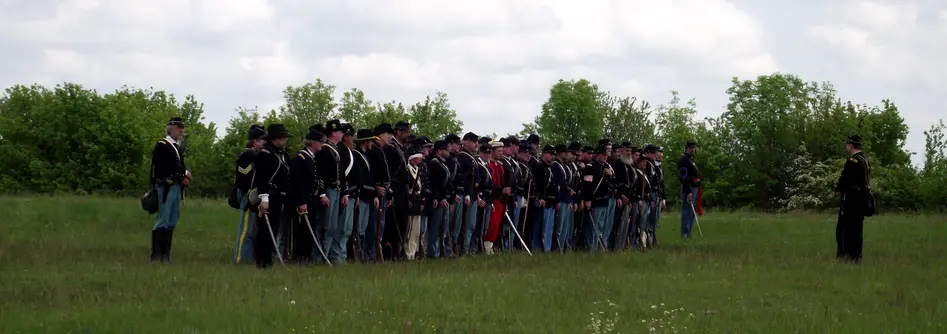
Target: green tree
575,111
307,105
434,118
355,108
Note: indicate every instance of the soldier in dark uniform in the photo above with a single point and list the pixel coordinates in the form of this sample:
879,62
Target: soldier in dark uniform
380,172
437,192
333,197
243,252
306,188
596,194
582,215
169,176
484,188
690,182
397,215
455,211
512,174
659,196
546,200
854,186
623,178
466,179
524,192
641,195
613,201
364,195
424,145
656,176
560,179
349,177
575,177
272,182
658,161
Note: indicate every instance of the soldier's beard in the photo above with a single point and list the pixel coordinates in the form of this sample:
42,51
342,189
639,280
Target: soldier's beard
626,160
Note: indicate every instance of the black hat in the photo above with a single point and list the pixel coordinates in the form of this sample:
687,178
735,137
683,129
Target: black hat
549,149
451,138
484,140
637,150
561,148
486,148
604,142
690,143
402,126
513,140
333,126
470,136
533,139
650,148
256,132
587,149
421,141
315,134
347,129
505,141
277,131
440,145
384,128
625,144
526,148
176,121
600,149
575,147
854,139
364,135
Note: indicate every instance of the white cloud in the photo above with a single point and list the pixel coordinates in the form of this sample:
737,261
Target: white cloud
496,59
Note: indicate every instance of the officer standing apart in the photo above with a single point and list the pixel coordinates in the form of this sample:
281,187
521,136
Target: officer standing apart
272,183
690,181
169,175
854,186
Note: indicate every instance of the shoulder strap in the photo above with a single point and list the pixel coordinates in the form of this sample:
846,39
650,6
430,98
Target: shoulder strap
864,160
351,162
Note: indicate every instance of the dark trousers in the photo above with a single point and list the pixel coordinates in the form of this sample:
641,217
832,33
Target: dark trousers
302,245
396,225
848,236
263,246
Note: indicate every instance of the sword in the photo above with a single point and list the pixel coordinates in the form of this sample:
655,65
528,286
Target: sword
314,239
601,240
695,218
523,243
266,216
380,251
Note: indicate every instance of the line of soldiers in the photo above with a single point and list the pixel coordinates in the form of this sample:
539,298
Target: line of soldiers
383,194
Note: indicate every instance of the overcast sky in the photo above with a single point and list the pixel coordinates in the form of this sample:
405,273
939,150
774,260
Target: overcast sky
495,59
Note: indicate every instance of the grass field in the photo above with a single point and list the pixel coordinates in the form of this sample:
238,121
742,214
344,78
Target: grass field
81,265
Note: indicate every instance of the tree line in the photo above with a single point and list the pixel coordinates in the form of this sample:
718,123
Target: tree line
778,146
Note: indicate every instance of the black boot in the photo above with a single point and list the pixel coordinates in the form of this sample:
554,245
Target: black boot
168,235
156,245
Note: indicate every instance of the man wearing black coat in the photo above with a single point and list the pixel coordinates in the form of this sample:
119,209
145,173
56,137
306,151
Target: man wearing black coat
272,182
306,186
854,186
169,176
437,193
381,168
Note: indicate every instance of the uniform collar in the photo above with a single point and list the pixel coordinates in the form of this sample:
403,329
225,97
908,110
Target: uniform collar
171,140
